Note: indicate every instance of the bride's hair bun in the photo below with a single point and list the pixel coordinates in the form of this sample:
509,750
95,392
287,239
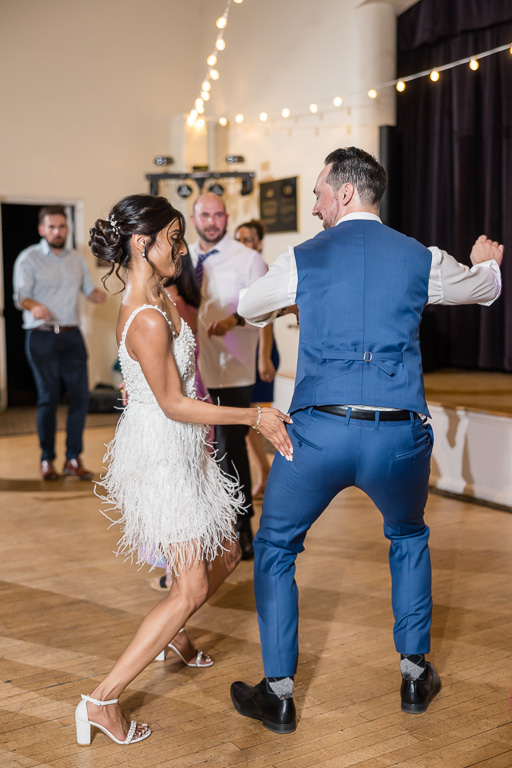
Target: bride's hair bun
106,242
136,214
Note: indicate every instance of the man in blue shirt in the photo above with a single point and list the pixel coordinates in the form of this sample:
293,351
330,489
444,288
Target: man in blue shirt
48,279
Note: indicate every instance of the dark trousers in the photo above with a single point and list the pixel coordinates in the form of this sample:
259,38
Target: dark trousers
57,358
390,461
231,446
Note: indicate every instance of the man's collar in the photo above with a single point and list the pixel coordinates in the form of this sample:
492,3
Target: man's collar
47,250
366,215
224,243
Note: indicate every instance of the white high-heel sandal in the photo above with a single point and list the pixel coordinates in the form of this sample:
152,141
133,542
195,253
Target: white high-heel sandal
196,663
84,725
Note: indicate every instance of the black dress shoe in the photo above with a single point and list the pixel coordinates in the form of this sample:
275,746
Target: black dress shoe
417,694
245,539
257,701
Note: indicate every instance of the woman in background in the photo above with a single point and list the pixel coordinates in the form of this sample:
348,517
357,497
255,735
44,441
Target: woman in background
251,234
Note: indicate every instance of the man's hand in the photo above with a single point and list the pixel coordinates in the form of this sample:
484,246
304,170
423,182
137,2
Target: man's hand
40,312
266,369
221,327
291,310
485,249
97,296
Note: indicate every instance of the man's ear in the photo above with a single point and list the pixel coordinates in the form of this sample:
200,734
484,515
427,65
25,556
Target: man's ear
346,193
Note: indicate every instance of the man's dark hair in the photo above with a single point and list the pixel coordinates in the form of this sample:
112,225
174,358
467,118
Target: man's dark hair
51,210
355,166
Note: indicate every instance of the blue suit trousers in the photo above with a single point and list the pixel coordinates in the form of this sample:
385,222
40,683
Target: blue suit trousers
389,461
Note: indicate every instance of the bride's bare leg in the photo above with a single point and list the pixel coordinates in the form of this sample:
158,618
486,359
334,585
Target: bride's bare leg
188,592
218,571
222,566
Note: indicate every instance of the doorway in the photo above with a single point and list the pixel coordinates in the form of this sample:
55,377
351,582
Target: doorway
18,231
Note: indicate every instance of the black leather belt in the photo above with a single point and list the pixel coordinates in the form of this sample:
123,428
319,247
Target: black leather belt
358,413
56,328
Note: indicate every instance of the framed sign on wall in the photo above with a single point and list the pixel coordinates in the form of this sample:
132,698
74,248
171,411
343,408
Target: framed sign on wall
278,205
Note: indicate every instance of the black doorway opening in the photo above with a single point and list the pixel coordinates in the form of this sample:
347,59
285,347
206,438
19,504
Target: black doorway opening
19,230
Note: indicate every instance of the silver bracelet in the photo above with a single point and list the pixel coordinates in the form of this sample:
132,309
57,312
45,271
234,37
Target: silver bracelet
255,426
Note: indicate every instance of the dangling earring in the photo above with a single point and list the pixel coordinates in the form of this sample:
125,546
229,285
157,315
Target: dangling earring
145,252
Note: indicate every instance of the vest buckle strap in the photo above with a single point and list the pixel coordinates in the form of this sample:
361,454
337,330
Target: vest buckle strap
367,357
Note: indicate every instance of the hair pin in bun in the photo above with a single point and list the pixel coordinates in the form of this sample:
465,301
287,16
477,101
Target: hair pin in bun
114,224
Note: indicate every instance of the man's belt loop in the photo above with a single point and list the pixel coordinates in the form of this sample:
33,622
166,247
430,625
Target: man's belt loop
377,419
349,414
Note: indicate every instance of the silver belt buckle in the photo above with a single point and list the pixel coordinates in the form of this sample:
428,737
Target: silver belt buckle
56,328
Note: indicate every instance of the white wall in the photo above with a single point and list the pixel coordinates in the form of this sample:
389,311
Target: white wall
462,462
88,89
93,91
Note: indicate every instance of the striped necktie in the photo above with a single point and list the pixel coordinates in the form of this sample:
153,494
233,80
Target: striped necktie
199,265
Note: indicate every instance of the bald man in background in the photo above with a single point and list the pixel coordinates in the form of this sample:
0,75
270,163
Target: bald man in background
227,345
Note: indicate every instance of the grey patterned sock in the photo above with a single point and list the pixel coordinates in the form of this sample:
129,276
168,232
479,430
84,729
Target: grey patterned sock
281,686
412,666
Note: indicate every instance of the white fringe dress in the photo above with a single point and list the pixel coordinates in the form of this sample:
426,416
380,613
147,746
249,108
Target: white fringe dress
171,498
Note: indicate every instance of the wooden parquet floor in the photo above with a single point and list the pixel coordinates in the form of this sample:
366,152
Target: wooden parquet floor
68,608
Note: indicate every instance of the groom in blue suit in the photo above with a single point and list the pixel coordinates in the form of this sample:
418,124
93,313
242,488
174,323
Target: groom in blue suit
359,414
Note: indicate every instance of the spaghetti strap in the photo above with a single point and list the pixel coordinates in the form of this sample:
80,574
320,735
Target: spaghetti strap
134,314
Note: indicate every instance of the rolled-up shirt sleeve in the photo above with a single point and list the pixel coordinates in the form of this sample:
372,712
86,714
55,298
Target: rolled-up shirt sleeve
453,283
261,302
23,281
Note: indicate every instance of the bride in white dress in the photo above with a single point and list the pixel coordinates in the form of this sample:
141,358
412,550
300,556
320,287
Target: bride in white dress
162,485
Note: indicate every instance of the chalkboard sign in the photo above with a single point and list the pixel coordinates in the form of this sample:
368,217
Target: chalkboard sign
278,205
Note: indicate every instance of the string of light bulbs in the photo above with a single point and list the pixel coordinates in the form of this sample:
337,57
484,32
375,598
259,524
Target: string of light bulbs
315,109
213,73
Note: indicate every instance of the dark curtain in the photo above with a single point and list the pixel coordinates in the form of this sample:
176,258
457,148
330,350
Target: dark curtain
455,163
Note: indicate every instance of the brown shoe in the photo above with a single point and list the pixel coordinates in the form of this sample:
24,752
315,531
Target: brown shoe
74,467
48,470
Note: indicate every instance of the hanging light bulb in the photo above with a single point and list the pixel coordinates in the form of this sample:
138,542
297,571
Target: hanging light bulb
286,112
372,93
239,119
200,123
205,95
474,64
400,86
214,74
220,44
211,60
238,1
313,108
337,101
206,85
192,117
434,75
223,121
198,103
200,109
263,117
221,22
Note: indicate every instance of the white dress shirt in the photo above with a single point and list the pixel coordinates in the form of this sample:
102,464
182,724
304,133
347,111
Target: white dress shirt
449,282
230,360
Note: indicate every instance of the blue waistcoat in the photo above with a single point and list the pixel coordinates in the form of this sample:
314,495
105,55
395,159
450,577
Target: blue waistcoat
362,288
